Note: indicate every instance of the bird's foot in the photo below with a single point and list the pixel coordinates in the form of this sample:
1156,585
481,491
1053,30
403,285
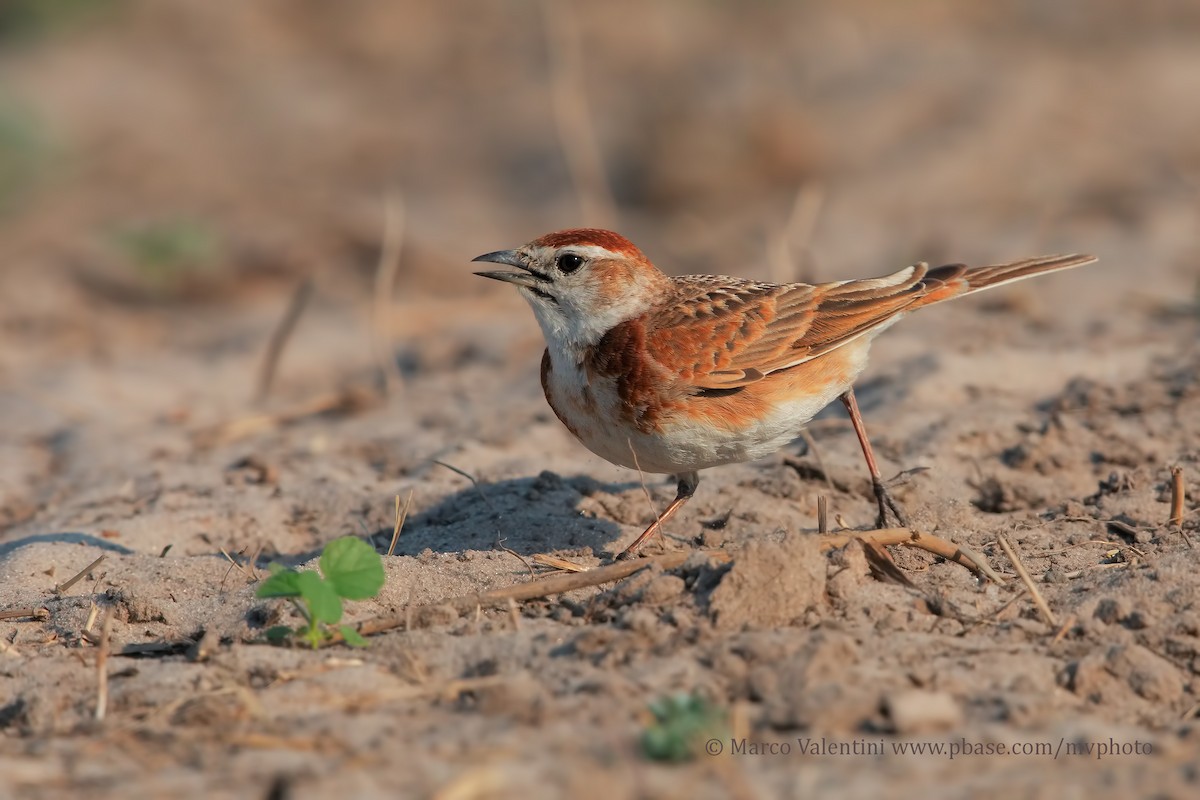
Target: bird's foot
887,504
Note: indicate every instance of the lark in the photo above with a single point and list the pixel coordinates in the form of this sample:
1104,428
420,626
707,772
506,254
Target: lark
674,375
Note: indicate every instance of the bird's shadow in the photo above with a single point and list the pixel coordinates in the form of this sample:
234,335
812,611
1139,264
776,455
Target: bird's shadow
63,537
528,515
542,513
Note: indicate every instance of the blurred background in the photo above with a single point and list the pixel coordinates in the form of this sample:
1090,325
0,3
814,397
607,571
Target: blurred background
237,315
163,161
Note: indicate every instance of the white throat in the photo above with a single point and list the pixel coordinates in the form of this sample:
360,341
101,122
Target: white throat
572,326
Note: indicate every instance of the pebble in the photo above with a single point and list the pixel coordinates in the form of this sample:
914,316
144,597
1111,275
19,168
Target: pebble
919,711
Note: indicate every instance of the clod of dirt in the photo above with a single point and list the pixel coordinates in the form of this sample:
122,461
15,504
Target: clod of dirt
808,689
136,608
252,469
211,709
994,497
1116,611
1110,610
14,715
1088,678
770,584
519,696
1149,675
433,616
629,591
662,589
641,620
917,711
848,570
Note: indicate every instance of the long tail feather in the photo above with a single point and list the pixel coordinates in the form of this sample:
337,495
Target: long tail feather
957,279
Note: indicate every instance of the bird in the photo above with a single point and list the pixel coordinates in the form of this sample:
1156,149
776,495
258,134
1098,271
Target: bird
677,374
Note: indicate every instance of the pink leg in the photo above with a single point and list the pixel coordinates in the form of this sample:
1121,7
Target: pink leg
882,496
688,482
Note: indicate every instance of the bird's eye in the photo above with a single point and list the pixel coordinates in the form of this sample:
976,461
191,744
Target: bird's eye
569,262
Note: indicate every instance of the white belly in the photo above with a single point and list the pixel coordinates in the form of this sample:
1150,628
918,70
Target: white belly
681,443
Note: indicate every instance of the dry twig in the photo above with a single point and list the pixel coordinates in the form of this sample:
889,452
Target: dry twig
514,614
1004,606
385,285
882,567
500,544
102,666
554,562
233,565
21,613
959,554
466,475
1177,493
530,590
1062,631
1068,548
561,583
65,585
1034,592
280,336
1079,573
401,516
93,614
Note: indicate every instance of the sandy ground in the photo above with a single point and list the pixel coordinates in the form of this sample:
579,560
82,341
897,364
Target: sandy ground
1050,413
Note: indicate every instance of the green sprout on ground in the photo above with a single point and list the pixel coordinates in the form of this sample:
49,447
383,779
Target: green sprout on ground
166,252
682,725
350,570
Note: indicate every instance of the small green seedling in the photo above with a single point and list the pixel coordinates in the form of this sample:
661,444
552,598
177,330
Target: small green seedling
682,724
350,570
166,252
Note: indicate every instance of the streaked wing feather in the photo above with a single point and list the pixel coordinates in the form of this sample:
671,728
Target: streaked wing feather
736,332
741,331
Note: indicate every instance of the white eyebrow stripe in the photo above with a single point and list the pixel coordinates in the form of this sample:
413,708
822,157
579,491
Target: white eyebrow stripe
589,251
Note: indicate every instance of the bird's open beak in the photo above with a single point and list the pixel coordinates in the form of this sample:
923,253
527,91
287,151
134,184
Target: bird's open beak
512,258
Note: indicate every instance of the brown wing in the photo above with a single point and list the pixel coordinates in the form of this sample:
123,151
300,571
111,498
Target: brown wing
722,333
735,332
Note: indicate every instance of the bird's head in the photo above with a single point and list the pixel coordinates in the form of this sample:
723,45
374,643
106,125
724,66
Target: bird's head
581,282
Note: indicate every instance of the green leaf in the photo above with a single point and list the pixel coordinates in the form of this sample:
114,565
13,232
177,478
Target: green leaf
321,598
314,635
352,637
282,583
682,722
661,744
353,567
278,634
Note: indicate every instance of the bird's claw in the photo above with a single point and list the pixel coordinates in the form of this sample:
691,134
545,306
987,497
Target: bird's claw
887,504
